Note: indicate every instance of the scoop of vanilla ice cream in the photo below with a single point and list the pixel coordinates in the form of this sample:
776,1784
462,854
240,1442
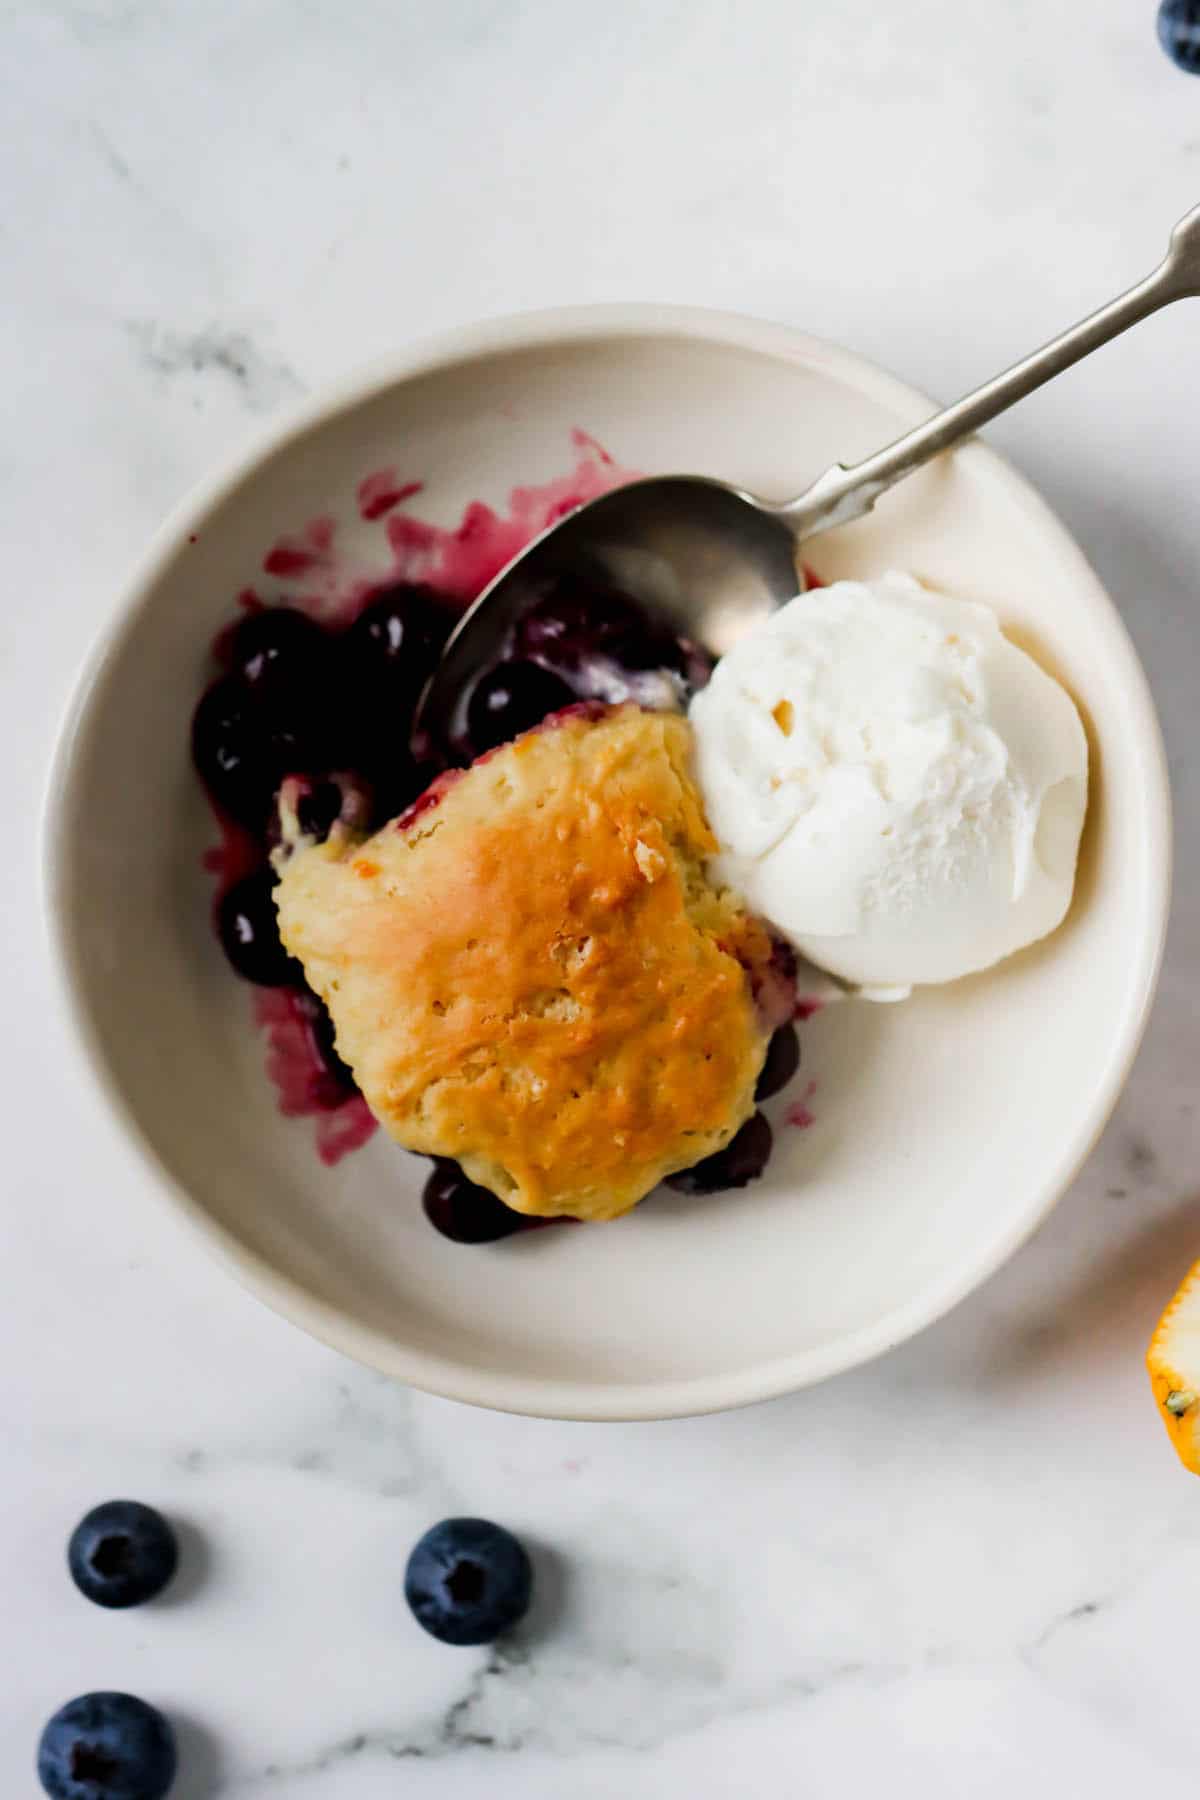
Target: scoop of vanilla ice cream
895,787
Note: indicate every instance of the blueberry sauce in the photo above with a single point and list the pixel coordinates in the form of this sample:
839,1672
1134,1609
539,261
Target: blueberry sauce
305,1082
378,493
315,694
309,550
800,1113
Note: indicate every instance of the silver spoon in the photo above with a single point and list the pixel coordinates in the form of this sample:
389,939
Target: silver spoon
714,559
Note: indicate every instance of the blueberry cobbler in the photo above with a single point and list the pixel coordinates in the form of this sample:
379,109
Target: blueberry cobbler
508,947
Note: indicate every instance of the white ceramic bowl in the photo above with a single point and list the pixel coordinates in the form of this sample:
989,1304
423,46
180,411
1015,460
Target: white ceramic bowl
945,1128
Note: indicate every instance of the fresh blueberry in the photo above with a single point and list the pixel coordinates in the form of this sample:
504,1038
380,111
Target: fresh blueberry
465,1212
122,1553
242,750
467,1581
107,1747
742,1160
1179,33
782,1061
248,927
511,698
278,651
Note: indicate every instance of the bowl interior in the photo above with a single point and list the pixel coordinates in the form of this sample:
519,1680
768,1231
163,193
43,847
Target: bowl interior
941,1129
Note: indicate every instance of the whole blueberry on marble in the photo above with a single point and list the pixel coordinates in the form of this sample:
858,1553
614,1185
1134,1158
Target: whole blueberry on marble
468,1581
1179,33
122,1553
107,1747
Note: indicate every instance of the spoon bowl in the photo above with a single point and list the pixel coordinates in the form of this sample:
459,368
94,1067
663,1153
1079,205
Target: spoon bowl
707,558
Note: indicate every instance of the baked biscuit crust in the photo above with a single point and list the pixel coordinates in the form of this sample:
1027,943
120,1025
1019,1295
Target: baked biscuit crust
530,972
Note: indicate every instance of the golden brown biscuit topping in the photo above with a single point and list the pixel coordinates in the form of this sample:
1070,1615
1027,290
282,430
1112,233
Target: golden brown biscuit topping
534,976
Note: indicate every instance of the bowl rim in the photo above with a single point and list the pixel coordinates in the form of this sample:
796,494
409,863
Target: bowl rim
445,1376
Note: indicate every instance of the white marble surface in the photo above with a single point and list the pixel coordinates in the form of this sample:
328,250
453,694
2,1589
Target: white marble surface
968,1570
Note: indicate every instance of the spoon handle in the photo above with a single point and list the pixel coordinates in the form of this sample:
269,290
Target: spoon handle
844,492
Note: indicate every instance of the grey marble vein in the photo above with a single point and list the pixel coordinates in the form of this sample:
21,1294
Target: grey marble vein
262,380
474,1722
1075,1615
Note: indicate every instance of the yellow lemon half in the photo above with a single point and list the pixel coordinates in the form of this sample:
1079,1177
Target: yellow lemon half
1173,1360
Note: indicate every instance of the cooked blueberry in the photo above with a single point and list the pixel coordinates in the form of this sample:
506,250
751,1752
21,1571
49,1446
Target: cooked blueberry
1179,33
224,742
248,927
387,655
242,750
122,1553
512,698
467,1581
398,636
650,647
464,1212
785,965
319,808
339,1074
742,1160
107,1747
314,804
278,650
783,1059
401,782
698,665
575,619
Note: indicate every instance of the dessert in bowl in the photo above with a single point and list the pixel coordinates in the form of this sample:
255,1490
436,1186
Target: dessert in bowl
931,1143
